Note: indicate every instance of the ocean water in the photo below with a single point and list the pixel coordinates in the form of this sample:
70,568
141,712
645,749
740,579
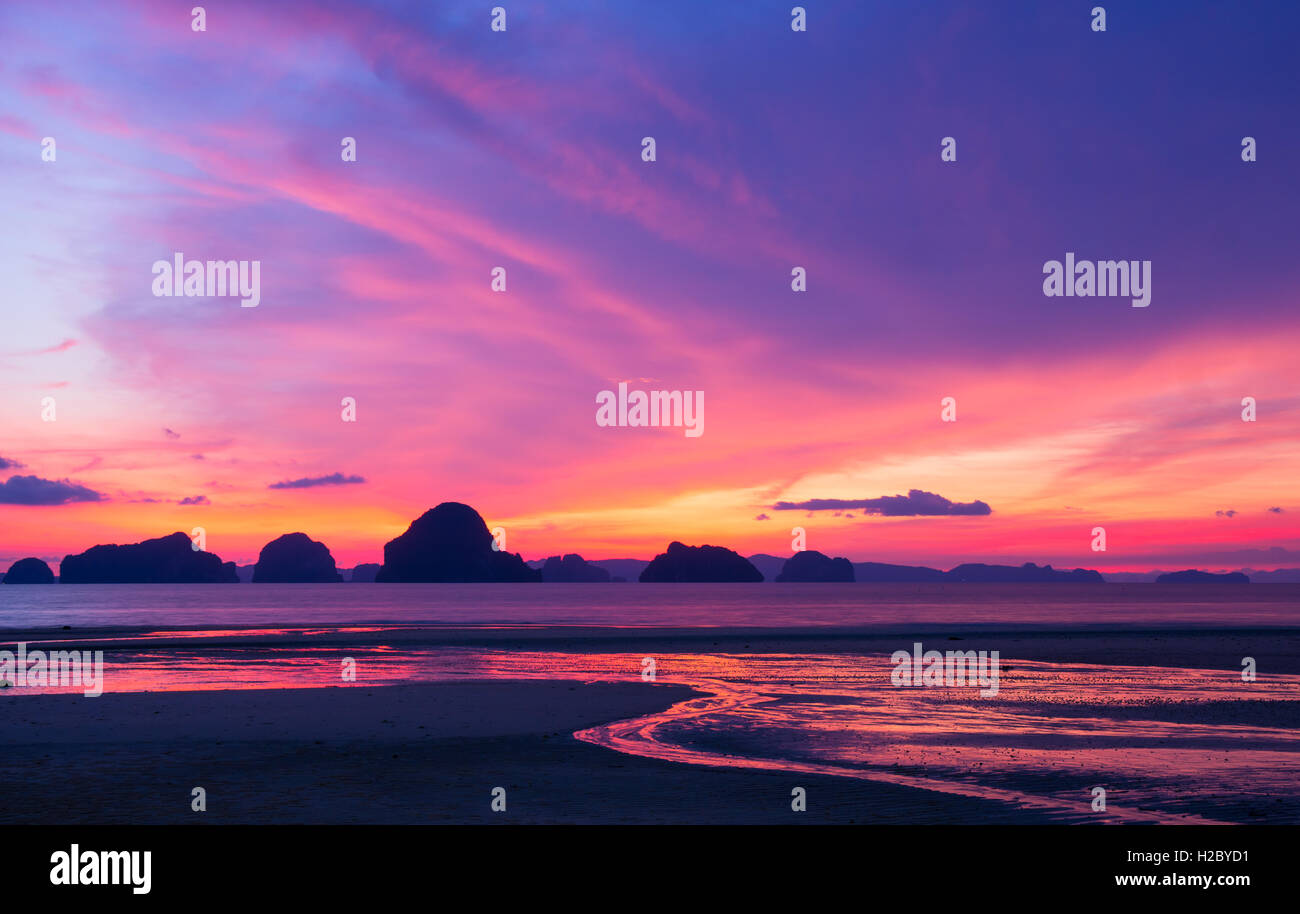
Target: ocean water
878,606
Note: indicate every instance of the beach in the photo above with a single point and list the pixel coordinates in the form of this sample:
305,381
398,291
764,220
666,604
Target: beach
422,754
735,719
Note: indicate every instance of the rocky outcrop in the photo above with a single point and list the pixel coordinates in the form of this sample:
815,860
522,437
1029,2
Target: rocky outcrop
1192,576
811,566
295,558
700,564
572,569
166,560
450,544
29,571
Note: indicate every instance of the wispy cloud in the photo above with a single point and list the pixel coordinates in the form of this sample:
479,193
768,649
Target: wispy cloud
58,347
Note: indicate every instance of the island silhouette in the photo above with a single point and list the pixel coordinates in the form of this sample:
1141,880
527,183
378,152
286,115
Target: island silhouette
451,544
295,558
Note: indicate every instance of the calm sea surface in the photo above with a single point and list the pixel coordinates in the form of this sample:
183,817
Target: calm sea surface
885,606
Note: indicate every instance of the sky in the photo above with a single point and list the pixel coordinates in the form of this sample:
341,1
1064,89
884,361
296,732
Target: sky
774,149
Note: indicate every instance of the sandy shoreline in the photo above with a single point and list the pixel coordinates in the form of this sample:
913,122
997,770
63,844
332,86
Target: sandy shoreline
401,754
1276,650
431,752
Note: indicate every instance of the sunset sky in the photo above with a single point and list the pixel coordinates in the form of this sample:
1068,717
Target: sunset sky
775,149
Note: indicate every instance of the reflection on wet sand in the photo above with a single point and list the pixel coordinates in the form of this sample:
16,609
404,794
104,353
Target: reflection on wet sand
1184,746
1166,744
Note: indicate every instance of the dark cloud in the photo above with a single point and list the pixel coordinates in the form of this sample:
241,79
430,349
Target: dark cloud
7,464
333,479
1229,513
1275,510
32,490
194,500
762,517
915,503
170,434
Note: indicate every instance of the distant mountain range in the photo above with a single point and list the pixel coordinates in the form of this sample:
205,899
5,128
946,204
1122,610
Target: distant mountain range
1280,576
1202,577
451,544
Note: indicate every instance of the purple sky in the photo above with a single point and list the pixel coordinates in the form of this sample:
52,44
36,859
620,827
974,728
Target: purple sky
775,149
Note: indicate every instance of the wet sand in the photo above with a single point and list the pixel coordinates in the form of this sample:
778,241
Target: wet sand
1275,649
406,751
418,754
